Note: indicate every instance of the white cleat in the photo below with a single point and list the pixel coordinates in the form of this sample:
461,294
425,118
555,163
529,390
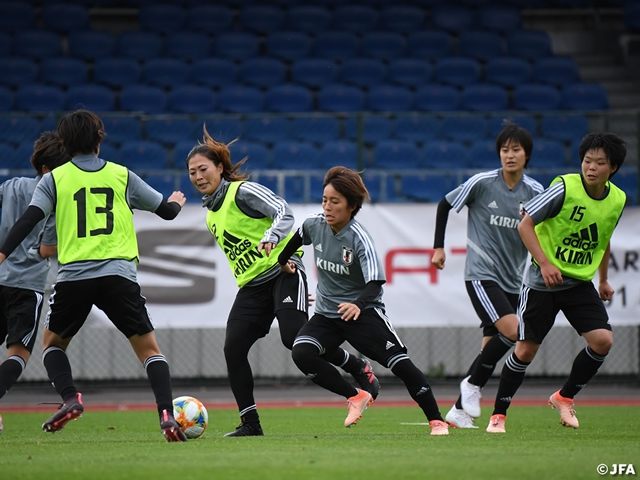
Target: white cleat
459,418
470,397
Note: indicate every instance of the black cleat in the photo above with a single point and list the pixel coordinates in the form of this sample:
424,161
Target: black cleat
170,428
366,380
70,410
246,430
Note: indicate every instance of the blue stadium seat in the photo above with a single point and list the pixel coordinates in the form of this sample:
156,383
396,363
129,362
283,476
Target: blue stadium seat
457,71
340,98
261,19
109,153
17,16
178,160
373,128
15,71
556,71
444,154
64,71
584,96
117,71
37,44
314,72
358,19
122,128
91,44
396,154
390,98
237,45
451,18
308,19
224,129
9,160
627,180
376,184
483,155
258,155
192,99
363,72
416,128
463,128
90,97
294,189
430,45
434,98
508,71
529,44
384,45
267,129
139,45
289,98
426,187
16,129
316,128
6,45
39,98
143,155
499,18
6,99
238,99
64,17
529,123
170,130
143,98
564,127
291,155
165,183
403,19
190,46
485,97
161,18
339,152
215,72
262,72
166,72
288,46
336,45
533,96
481,45
548,153
211,19
48,123
409,72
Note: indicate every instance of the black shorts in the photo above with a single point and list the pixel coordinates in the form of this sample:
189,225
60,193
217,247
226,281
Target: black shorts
259,305
372,335
582,306
118,297
491,303
19,316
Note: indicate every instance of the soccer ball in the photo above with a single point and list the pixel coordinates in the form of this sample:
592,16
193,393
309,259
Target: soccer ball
191,415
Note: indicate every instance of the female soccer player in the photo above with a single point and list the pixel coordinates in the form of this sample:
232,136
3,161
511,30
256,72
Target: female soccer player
252,224
349,303
495,258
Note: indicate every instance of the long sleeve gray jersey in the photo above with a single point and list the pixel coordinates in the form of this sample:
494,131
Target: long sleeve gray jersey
494,248
345,263
24,268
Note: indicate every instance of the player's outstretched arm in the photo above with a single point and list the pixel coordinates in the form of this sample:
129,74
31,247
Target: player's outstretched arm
20,230
170,208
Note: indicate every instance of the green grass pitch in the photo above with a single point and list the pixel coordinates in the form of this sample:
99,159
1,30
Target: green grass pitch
311,443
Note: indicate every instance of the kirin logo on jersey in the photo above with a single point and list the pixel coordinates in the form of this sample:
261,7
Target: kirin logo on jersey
347,255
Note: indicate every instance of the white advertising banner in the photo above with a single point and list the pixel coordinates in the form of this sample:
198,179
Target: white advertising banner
187,282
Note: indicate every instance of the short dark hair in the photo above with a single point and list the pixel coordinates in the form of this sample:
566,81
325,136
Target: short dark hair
615,148
48,151
512,132
348,183
81,132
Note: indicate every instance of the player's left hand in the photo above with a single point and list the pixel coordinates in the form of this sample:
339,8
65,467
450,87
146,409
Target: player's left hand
289,267
267,247
349,311
605,290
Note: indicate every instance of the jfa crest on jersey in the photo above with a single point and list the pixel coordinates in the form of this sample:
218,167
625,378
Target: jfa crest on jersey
347,255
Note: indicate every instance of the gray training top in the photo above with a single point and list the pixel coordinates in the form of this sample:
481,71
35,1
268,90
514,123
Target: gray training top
494,248
139,195
24,268
345,262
